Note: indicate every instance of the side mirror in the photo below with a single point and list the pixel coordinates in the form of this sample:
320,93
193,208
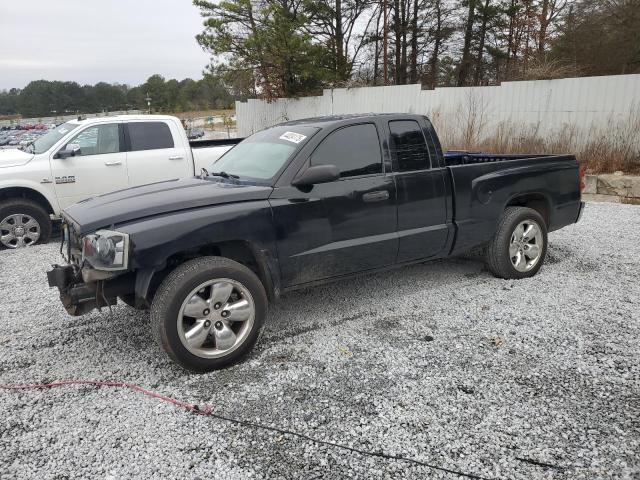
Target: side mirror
317,174
71,150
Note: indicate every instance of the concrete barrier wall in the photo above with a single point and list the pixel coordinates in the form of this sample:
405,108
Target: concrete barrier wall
614,187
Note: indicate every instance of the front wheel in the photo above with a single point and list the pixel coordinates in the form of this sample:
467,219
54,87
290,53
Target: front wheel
519,246
208,313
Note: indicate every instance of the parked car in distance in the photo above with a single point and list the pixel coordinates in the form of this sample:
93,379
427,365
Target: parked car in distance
196,133
84,158
298,204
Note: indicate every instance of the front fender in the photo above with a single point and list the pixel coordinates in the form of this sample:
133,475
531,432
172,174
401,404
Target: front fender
156,239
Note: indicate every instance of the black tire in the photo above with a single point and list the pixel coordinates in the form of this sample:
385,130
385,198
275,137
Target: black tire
27,207
497,253
173,291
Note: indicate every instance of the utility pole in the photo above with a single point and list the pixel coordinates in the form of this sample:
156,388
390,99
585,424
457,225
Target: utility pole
384,42
148,99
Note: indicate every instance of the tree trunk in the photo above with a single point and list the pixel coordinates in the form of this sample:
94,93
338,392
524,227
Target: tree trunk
266,84
403,56
376,59
398,34
483,34
385,48
510,37
527,45
544,24
463,71
414,44
435,54
340,59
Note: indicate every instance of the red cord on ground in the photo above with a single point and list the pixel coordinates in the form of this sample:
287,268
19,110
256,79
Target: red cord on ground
208,411
111,383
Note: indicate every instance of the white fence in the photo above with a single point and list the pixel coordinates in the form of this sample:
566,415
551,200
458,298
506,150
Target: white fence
468,114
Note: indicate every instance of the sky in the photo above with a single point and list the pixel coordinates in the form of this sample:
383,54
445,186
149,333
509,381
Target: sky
89,41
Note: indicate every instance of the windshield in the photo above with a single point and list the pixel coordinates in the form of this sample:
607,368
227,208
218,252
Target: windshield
47,141
263,154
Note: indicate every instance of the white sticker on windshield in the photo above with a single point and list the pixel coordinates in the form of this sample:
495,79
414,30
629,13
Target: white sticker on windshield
62,131
292,137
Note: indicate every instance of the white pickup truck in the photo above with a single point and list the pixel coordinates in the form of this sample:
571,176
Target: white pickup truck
84,158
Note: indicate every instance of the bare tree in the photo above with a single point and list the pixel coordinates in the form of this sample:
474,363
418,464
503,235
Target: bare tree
550,11
463,70
482,37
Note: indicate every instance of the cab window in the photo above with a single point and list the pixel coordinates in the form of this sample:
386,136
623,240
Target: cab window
355,150
98,140
149,136
408,145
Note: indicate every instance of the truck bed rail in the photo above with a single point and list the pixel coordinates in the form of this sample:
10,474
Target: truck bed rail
215,143
454,158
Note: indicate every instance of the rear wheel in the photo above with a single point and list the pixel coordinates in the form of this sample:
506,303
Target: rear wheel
208,313
23,223
519,246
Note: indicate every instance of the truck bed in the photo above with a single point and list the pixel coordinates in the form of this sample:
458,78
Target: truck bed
484,184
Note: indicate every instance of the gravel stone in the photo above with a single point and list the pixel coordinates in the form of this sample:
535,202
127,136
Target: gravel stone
441,362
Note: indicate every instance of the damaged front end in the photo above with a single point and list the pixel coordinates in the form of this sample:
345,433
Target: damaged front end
96,270
79,296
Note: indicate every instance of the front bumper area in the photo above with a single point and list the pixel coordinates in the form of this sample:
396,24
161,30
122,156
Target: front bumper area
80,297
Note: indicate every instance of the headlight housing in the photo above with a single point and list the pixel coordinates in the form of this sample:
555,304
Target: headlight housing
106,250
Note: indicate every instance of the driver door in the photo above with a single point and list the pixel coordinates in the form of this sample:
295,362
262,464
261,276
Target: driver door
340,227
99,167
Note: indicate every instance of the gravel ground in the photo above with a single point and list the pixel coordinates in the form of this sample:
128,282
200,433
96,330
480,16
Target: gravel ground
439,362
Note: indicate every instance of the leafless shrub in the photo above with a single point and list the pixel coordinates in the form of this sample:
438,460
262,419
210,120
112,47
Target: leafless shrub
447,131
599,149
472,118
615,148
547,69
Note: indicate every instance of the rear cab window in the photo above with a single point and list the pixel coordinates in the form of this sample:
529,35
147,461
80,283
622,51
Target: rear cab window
149,136
354,149
409,146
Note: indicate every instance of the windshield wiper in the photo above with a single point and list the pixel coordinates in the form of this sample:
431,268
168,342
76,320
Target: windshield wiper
223,175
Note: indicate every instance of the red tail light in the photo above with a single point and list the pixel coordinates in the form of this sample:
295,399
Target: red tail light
583,172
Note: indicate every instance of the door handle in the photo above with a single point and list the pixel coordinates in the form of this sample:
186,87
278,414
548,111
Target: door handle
378,196
176,157
111,164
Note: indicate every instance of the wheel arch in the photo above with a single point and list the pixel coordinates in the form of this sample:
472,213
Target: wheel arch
259,260
8,193
536,201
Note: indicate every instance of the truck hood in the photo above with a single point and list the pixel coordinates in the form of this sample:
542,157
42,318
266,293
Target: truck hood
157,198
14,158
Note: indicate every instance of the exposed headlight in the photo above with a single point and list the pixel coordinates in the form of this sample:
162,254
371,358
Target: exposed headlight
106,250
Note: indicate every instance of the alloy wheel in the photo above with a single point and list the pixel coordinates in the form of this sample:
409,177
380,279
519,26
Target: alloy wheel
215,318
526,246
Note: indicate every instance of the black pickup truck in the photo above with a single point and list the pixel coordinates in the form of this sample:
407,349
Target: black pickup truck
297,204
